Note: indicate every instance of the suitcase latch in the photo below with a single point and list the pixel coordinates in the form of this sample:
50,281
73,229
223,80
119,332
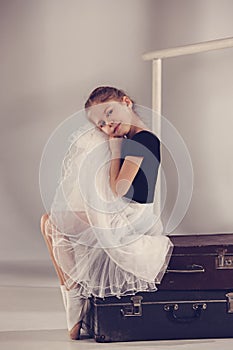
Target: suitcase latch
135,309
223,261
229,302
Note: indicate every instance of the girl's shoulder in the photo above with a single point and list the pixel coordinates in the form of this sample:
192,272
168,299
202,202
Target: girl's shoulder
144,135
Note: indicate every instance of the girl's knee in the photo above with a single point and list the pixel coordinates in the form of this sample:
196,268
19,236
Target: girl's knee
43,220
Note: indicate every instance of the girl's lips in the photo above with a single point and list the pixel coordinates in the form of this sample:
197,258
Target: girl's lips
116,128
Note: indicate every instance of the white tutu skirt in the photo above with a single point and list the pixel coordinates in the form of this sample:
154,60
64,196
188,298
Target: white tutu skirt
108,245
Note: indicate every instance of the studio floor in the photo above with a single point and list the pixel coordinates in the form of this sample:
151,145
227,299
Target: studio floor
33,317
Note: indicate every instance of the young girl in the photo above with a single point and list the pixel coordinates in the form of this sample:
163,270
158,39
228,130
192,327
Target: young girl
102,234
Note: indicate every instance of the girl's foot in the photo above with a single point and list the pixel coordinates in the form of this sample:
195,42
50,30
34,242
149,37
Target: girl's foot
76,308
74,333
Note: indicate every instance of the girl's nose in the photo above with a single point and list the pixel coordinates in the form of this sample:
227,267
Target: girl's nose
110,123
109,127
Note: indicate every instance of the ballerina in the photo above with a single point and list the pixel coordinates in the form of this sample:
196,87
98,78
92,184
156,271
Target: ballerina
102,234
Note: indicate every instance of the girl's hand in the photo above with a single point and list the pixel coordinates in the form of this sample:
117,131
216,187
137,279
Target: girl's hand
115,144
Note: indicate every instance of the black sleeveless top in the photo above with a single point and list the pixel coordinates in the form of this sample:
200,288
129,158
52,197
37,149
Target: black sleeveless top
145,144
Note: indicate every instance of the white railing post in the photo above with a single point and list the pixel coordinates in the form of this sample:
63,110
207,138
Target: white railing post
156,122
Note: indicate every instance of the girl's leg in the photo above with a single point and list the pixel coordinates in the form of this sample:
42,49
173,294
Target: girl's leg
76,307
48,242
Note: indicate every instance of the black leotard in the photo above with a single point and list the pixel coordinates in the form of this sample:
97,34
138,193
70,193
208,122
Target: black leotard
143,143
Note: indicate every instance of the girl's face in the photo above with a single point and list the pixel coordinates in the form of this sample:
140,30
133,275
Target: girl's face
112,117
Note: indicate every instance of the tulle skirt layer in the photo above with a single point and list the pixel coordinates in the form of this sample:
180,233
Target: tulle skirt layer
106,245
137,265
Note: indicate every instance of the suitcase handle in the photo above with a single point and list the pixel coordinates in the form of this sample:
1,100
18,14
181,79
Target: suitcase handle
189,269
197,311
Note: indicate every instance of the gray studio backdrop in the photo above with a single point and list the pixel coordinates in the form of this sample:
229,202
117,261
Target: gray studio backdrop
54,52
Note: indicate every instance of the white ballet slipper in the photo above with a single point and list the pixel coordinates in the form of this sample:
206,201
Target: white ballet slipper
77,307
63,293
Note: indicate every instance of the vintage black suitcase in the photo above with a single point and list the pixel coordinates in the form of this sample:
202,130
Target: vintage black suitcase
194,299
162,315
200,262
